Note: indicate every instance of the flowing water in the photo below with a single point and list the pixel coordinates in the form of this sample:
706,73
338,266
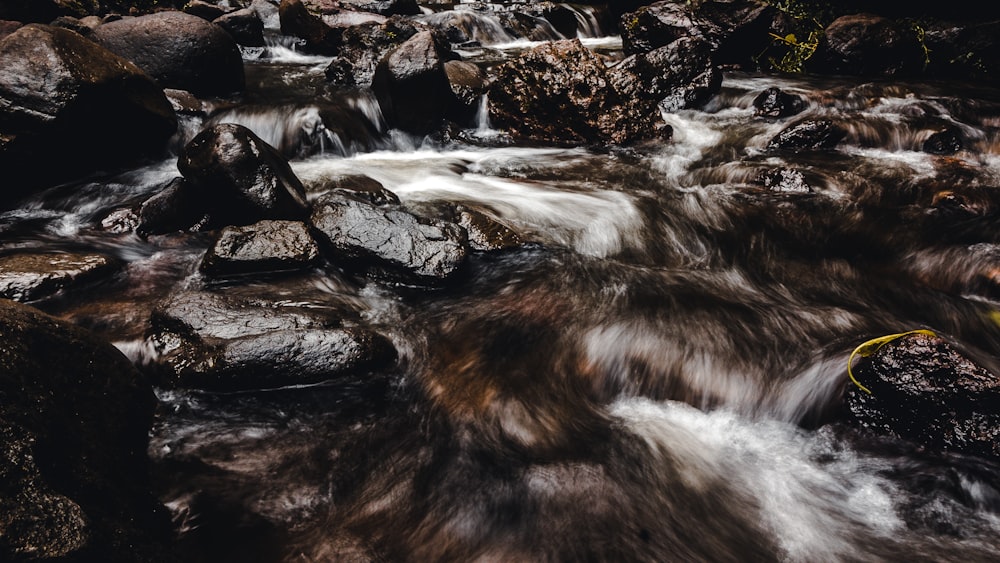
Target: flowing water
651,377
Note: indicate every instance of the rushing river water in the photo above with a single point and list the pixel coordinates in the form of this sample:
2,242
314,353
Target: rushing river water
651,377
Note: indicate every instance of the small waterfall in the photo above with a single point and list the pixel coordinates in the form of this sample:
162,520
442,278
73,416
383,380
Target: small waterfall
483,125
295,131
463,26
587,24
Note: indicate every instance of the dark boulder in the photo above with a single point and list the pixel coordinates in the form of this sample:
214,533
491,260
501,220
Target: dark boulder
30,276
774,102
945,141
868,45
7,27
240,178
177,50
363,47
412,86
62,94
174,208
267,246
557,93
244,26
298,21
288,357
74,422
811,134
679,76
969,50
357,186
660,24
926,391
388,241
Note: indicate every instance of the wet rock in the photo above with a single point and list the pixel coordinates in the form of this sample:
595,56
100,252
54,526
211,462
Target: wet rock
29,277
44,11
557,93
267,12
203,10
174,208
660,24
868,45
926,391
204,316
298,21
486,233
240,178
679,76
244,26
945,141
288,357
74,424
357,186
177,50
383,7
267,246
228,342
412,86
811,134
62,94
468,84
72,24
363,46
184,102
387,241
736,29
774,102
783,180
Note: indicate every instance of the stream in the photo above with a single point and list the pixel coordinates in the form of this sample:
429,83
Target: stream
654,375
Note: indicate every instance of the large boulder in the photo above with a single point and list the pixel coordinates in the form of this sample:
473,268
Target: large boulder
660,24
241,179
557,93
868,45
412,86
64,99
388,241
75,417
964,50
178,50
678,76
363,47
926,391
245,26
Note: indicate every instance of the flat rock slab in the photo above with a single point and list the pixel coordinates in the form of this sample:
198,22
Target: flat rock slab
29,277
266,246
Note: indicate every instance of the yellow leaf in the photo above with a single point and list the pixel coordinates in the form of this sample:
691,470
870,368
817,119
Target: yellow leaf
870,347
790,38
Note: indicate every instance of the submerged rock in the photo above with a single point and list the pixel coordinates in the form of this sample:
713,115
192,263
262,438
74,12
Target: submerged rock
926,391
357,186
177,50
412,86
267,246
388,241
29,277
74,424
945,141
783,180
63,97
485,232
240,178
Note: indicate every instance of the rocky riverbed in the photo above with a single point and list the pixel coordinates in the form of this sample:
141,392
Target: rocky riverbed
345,280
